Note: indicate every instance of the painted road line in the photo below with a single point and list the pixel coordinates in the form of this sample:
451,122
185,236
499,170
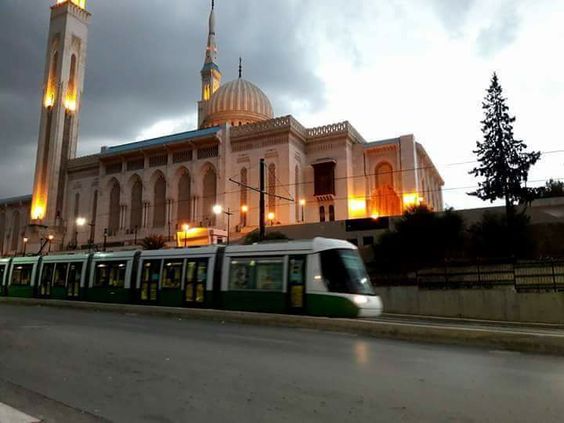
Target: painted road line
11,415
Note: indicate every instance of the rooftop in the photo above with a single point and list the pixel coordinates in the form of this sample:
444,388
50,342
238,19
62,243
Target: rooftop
12,200
168,139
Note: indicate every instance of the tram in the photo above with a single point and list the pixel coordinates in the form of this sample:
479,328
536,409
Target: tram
318,277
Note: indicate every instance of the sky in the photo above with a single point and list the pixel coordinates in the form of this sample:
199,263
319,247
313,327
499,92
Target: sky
389,67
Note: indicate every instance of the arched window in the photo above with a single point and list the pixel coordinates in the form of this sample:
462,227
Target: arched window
15,231
243,196
114,211
159,201
297,193
210,195
2,232
272,188
384,176
136,212
72,76
322,214
184,210
331,213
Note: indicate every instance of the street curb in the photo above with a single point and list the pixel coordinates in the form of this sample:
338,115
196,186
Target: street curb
496,338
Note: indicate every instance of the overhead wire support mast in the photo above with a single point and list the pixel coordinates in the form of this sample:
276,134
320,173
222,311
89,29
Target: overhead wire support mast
261,190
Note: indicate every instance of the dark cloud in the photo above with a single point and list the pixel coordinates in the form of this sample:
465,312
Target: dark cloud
143,65
500,34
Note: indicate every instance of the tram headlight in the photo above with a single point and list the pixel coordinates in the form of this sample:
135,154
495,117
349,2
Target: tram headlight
360,299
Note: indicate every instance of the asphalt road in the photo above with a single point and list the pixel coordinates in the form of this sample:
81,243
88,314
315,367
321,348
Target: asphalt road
78,366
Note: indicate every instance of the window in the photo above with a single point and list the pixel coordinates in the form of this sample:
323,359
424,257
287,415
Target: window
322,214
2,271
264,274
159,199
196,280
114,212
324,178
21,275
344,271
172,274
60,278
75,274
331,213
110,274
47,274
184,210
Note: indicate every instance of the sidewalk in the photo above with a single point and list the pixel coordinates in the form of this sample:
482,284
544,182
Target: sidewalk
494,335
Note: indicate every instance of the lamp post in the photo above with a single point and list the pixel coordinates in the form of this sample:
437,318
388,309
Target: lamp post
80,222
302,205
185,228
105,238
50,238
271,218
25,241
217,209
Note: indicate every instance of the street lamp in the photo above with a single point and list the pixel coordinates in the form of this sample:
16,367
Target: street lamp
185,228
217,209
80,222
50,238
25,241
270,217
244,211
302,205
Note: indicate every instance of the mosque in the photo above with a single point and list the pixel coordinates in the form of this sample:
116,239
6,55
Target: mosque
203,177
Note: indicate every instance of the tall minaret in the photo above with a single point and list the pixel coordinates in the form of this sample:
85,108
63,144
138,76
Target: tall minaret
62,90
211,76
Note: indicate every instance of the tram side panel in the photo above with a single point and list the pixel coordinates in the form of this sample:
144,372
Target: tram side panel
110,279
22,276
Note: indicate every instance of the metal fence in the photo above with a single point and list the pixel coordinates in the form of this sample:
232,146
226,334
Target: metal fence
525,276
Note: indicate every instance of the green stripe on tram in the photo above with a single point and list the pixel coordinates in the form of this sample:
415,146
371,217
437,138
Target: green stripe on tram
330,305
20,291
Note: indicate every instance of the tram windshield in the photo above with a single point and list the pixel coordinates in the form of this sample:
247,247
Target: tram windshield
344,272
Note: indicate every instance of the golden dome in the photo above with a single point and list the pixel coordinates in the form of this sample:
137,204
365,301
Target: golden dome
238,102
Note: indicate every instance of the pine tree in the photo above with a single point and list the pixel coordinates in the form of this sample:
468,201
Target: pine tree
503,162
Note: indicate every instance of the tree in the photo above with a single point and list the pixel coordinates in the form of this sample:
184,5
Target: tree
153,242
552,188
503,162
253,237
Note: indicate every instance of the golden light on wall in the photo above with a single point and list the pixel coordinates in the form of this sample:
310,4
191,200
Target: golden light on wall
411,200
70,101
38,211
49,99
79,3
357,207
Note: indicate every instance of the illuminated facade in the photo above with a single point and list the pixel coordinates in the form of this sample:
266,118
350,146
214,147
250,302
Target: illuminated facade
163,185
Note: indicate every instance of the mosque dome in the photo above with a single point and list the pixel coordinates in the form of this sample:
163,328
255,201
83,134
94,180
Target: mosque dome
238,102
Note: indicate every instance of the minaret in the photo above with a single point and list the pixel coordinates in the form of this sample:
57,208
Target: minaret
62,90
211,76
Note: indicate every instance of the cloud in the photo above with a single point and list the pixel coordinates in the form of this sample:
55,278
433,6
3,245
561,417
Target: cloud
501,33
453,14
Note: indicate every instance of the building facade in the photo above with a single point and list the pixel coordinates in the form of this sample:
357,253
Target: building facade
157,186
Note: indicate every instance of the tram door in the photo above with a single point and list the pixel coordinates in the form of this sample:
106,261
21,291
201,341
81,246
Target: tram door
73,281
46,281
2,286
195,282
296,283
150,281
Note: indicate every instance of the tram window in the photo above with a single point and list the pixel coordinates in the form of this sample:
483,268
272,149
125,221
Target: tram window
110,274
344,271
21,275
2,271
264,274
172,274
60,274
47,273
197,271
202,271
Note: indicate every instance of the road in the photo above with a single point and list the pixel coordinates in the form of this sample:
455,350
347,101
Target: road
77,366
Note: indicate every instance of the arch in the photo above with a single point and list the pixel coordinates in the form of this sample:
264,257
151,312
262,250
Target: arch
331,213
244,200
209,191
159,201
114,207
136,210
184,210
297,192
2,231
385,201
271,188
15,231
72,74
322,213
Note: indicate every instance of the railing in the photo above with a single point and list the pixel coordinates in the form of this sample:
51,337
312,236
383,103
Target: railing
524,276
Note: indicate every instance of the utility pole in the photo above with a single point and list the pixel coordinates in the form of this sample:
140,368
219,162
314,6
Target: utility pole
261,201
